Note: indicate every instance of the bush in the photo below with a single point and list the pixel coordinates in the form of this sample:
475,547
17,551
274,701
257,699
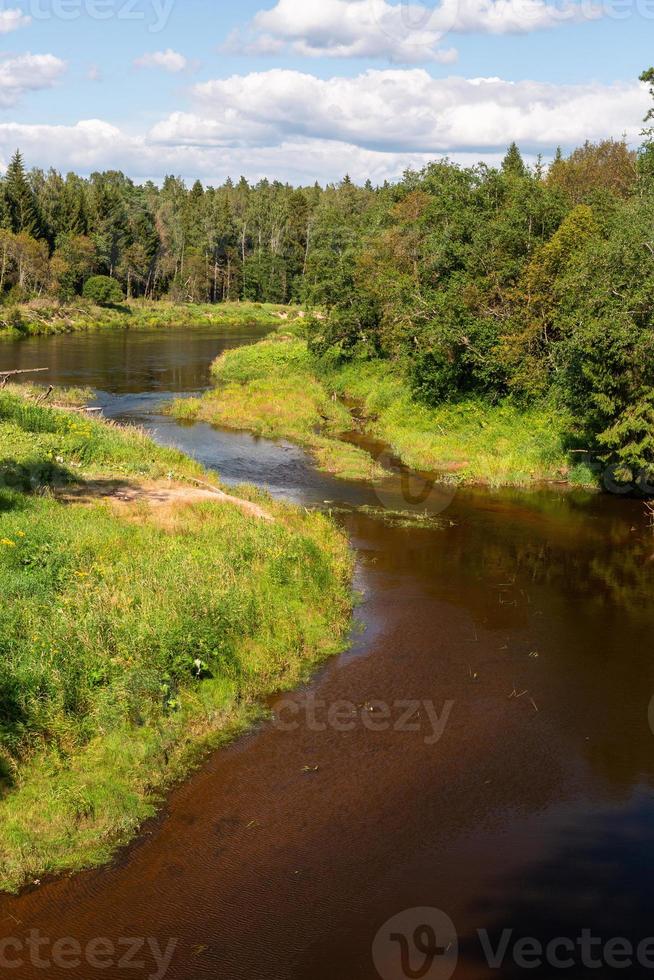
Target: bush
103,291
12,320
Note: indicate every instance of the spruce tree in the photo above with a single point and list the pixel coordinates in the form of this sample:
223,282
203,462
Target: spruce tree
21,203
513,165
646,153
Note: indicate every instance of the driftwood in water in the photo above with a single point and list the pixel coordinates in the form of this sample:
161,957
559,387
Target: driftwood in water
5,375
75,408
83,409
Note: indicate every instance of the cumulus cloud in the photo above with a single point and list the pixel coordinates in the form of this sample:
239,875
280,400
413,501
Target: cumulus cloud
402,111
27,73
403,32
96,145
12,20
85,146
168,60
293,126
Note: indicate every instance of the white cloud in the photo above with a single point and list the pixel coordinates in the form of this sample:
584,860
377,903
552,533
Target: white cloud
12,20
27,73
85,146
168,60
402,111
96,145
292,126
404,32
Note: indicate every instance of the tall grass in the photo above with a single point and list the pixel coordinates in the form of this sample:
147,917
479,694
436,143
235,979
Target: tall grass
132,637
471,441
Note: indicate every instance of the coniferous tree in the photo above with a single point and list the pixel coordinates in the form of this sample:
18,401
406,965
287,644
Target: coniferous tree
513,165
21,203
646,160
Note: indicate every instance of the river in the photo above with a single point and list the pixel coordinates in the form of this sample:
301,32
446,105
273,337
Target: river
480,759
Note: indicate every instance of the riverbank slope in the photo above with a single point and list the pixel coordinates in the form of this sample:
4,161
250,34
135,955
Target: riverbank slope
142,620
41,317
276,388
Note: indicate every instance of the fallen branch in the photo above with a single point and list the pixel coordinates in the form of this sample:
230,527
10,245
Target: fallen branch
44,397
75,408
10,374
5,375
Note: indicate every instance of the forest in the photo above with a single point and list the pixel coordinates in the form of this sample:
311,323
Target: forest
527,283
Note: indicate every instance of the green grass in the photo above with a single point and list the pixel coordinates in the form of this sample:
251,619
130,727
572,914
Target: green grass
271,389
277,389
45,446
131,638
470,441
43,317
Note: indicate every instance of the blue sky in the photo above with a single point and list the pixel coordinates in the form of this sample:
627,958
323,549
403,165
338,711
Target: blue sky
305,89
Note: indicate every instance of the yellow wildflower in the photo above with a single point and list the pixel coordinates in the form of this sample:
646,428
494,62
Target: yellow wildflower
7,543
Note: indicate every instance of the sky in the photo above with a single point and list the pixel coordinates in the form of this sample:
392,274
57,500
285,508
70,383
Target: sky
306,90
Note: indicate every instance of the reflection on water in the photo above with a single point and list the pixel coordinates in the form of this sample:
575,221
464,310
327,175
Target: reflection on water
531,611
123,363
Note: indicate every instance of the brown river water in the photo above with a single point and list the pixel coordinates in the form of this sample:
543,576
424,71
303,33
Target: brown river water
475,770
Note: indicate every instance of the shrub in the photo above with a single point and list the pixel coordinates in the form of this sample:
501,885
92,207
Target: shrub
103,291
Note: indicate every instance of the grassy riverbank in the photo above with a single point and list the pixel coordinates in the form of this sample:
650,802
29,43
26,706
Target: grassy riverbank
471,441
271,389
277,389
134,633
42,317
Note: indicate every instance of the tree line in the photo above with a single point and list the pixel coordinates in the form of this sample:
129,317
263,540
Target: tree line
268,242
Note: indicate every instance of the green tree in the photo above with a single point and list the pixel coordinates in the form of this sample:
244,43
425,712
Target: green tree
513,165
605,358
21,202
71,264
646,154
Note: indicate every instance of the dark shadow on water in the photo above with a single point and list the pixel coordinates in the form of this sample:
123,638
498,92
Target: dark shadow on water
595,883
